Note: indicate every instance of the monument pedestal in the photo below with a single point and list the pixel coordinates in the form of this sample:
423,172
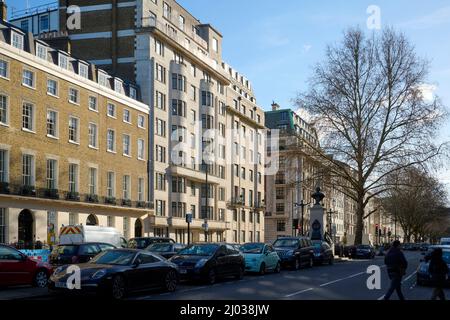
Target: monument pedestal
318,222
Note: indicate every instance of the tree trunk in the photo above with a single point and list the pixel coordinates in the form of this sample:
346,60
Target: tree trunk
359,221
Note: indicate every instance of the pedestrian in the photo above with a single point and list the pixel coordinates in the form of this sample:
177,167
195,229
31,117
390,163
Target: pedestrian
438,271
396,267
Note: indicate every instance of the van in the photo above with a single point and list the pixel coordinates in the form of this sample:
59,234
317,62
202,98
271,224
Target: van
81,234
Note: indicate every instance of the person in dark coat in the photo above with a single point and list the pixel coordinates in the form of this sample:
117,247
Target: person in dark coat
396,267
438,271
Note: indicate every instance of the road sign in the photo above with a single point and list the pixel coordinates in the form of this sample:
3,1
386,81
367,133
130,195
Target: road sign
188,217
205,226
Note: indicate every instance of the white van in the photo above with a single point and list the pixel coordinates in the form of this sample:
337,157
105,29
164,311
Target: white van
82,234
445,241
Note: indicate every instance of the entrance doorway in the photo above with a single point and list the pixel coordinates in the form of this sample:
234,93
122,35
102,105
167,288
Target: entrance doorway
26,229
91,220
138,228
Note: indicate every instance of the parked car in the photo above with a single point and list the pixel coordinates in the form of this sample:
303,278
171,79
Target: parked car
322,253
166,250
260,258
116,273
365,251
209,261
18,269
77,253
423,274
88,234
350,251
142,243
295,252
424,247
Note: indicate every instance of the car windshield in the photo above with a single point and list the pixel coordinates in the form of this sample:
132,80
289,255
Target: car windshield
160,247
138,243
114,257
446,256
286,243
199,250
65,250
445,243
252,248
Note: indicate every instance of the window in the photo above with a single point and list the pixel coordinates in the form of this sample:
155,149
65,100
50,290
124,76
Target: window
52,87
111,110
28,78
73,130
193,93
259,177
250,175
83,70
93,134
141,188
4,165
160,73
160,181
178,185
51,174
74,96
102,79
160,208
178,108
41,51
111,140
118,86
52,123
133,93
3,69
207,121
222,108
159,47
27,170
160,100
17,40
167,11
4,110
160,127
63,61
141,149
93,103
73,178
126,116
126,187
243,173
3,238
73,219
44,23
281,226
126,145
178,82
221,194
92,186
24,25
160,154
222,172
28,116
181,22
207,99
110,185
141,121
215,45
110,222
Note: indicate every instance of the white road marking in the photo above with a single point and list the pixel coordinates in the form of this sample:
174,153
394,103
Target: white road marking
342,279
410,276
381,298
298,292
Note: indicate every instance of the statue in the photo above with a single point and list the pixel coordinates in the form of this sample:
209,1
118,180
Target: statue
318,196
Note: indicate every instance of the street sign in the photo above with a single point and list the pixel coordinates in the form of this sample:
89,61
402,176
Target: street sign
188,217
205,226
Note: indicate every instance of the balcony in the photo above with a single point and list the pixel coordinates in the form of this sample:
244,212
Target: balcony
4,188
27,191
111,201
236,202
72,196
260,205
51,193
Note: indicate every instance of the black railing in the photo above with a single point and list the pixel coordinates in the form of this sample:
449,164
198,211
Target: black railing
4,188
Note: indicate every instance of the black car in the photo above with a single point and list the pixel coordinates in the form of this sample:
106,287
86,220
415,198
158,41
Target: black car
142,243
322,252
77,253
423,274
365,251
166,250
295,252
116,273
209,261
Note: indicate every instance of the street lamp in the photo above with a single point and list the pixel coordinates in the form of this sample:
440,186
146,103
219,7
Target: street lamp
206,228
189,221
302,205
330,213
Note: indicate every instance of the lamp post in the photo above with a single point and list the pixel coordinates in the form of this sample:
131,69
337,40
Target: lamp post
205,229
189,221
302,205
330,213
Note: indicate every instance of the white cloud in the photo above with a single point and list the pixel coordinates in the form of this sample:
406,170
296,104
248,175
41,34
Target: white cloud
307,47
436,18
428,92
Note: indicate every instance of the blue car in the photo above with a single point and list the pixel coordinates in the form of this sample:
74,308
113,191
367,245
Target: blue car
423,274
260,258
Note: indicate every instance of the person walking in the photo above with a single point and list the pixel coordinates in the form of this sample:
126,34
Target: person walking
396,267
438,272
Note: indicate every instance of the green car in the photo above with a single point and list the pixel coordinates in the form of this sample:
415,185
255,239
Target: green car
260,258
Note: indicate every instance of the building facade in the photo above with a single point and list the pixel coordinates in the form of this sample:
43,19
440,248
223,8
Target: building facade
73,144
195,99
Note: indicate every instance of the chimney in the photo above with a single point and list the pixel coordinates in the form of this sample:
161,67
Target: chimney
275,106
3,11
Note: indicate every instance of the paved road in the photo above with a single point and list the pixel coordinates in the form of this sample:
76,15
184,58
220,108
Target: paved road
342,281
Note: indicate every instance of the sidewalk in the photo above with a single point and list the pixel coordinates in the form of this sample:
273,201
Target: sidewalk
22,292
338,259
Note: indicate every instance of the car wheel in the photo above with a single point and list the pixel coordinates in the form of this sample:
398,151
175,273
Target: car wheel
40,279
171,281
240,274
262,269
211,279
278,268
297,264
118,288
331,262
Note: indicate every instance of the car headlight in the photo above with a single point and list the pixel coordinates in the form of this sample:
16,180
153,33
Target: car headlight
201,263
98,274
423,268
59,270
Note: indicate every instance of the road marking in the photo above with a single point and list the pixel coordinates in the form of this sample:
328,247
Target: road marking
342,279
410,276
298,292
381,298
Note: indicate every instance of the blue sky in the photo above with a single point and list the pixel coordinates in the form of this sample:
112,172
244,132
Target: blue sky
276,43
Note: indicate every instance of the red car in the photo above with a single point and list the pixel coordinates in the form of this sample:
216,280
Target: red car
18,269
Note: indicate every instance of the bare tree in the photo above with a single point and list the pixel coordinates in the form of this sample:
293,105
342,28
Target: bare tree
367,99
417,202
